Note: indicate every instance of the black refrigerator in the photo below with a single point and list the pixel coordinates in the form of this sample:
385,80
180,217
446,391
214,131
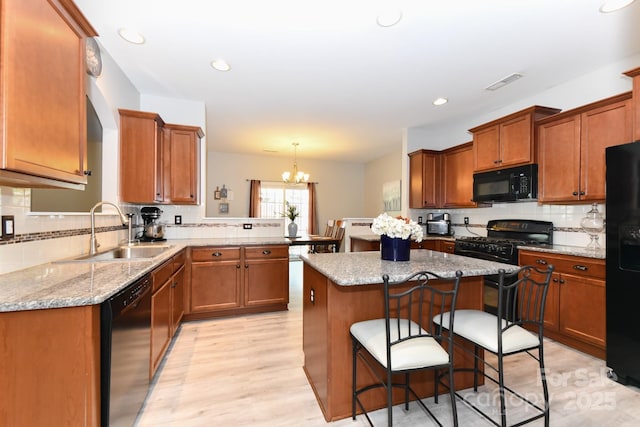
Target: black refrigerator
623,261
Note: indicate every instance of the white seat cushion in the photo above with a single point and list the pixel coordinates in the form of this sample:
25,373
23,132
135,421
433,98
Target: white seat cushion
482,328
415,353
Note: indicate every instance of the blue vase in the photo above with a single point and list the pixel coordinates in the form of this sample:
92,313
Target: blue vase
394,248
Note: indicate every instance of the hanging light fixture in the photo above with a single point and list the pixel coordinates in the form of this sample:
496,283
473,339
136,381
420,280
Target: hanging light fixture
296,176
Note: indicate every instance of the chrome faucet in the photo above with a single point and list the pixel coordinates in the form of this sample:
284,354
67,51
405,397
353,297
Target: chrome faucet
93,243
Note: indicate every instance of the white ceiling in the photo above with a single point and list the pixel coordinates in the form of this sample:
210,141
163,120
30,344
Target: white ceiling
324,74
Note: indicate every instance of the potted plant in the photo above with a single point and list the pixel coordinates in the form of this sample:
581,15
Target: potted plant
395,234
292,213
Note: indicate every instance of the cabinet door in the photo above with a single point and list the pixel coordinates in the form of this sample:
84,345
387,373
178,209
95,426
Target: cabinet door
215,286
552,305
457,177
177,300
141,167
447,247
160,324
601,128
582,309
43,108
486,148
559,160
423,179
266,282
184,164
516,142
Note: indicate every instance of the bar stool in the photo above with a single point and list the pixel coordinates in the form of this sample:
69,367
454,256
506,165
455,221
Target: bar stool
406,340
518,328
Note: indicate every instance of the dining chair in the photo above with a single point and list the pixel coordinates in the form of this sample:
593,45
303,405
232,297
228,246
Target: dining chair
517,327
406,340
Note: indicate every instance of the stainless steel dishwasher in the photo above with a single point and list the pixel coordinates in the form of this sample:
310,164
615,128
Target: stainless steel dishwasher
125,349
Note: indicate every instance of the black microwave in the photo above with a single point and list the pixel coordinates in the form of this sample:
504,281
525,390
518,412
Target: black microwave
506,185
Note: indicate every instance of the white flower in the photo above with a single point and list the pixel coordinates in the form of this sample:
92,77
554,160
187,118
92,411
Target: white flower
397,227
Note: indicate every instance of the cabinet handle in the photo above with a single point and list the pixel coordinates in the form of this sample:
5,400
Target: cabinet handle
561,281
495,162
174,284
582,193
87,173
237,265
575,193
266,252
555,280
246,266
216,254
581,267
541,261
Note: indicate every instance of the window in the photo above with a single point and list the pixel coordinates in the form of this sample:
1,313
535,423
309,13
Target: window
273,198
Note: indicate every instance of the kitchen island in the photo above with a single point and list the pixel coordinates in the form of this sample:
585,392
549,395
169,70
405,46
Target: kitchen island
340,289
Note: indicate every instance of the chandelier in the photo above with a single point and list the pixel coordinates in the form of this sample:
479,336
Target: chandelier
296,176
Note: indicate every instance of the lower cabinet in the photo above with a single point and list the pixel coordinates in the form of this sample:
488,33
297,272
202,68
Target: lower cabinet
575,311
234,280
167,307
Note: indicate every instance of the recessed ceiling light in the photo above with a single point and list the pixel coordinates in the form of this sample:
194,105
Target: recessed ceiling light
440,101
131,36
504,81
389,17
220,65
613,5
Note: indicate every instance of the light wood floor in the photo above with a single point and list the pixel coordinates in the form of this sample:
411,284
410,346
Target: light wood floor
247,371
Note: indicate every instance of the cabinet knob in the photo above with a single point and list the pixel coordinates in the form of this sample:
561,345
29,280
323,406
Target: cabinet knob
237,265
582,193
87,173
266,252
495,162
217,254
581,267
561,281
575,193
541,261
555,280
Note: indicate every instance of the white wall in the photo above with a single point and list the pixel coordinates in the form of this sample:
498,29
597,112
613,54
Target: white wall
339,188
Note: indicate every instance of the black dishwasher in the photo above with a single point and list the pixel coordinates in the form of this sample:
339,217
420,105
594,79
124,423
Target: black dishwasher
125,353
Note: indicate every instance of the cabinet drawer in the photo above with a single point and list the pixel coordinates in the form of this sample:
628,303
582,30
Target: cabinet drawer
215,254
266,252
162,274
579,266
178,260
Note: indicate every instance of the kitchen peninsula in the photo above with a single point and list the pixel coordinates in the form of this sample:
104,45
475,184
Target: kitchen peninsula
340,289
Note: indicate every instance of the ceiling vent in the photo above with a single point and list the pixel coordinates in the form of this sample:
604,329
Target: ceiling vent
504,81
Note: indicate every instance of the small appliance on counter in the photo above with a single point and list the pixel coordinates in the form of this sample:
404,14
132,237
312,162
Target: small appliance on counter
153,231
438,224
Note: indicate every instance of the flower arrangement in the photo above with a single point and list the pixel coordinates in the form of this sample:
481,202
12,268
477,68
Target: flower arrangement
397,227
291,212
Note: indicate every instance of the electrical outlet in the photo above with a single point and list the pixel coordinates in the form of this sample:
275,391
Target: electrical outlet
247,226
466,220
8,230
177,220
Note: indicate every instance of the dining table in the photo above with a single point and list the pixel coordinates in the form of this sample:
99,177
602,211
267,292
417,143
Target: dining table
313,241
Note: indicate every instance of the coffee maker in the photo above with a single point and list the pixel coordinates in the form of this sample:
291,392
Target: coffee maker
153,231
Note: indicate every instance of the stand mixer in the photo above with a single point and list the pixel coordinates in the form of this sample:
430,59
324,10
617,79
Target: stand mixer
153,230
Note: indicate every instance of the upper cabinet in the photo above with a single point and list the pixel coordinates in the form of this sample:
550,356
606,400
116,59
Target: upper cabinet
441,179
508,141
571,149
42,96
635,75
424,179
159,163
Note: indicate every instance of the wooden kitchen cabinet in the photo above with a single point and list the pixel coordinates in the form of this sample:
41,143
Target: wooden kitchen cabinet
182,163
167,307
441,179
447,246
457,177
424,179
50,367
635,99
235,280
266,275
507,141
43,142
141,160
159,162
575,312
571,149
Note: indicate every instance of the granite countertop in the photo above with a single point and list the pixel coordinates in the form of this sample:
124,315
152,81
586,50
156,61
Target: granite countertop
361,268
71,284
568,250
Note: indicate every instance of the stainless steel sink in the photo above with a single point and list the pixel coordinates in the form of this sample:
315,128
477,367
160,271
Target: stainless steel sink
123,253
